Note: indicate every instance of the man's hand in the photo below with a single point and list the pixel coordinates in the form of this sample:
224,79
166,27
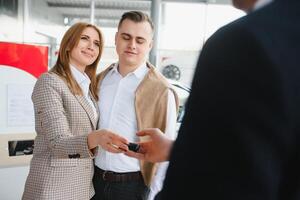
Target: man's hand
156,149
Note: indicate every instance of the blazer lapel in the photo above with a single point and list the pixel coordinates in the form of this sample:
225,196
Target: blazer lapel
87,107
97,109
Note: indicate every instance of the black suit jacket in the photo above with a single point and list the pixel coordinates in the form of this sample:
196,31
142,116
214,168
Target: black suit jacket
240,136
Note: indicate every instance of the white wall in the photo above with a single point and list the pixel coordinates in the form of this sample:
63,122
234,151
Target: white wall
10,76
12,179
12,182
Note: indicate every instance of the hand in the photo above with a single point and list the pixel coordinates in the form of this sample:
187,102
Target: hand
156,149
108,140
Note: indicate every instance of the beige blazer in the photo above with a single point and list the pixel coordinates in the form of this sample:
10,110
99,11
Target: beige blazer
62,165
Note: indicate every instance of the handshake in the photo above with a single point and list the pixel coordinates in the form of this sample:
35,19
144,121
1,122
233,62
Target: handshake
156,148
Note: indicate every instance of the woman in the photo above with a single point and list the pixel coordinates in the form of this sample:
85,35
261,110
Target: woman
66,116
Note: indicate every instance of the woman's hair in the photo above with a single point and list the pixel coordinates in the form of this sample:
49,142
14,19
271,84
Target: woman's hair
62,66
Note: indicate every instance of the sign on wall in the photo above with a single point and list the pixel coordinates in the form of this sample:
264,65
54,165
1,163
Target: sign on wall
20,66
32,59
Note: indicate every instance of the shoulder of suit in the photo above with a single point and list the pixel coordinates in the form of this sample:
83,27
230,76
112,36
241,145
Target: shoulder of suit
51,79
243,26
230,38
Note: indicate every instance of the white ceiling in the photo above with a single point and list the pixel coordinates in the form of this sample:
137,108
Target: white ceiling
108,12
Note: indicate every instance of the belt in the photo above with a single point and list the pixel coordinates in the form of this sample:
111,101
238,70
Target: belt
111,176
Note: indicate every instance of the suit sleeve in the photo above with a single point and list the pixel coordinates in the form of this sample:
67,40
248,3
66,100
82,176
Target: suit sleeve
229,141
47,98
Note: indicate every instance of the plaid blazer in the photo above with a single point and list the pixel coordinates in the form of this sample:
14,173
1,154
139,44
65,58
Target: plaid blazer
62,165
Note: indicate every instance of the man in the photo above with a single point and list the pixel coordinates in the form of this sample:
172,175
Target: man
133,96
240,135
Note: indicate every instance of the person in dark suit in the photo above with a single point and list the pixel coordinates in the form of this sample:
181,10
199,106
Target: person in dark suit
239,139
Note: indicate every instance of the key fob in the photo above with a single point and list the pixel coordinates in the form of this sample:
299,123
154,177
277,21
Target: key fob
133,147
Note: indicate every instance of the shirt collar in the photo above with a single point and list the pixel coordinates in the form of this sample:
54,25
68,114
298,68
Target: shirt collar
140,72
79,76
261,3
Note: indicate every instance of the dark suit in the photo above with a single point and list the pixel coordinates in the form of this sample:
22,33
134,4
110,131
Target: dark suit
241,132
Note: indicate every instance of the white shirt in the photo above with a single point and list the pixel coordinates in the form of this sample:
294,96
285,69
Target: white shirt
261,3
117,113
84,82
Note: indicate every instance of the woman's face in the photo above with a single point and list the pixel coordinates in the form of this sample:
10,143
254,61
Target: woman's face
87,50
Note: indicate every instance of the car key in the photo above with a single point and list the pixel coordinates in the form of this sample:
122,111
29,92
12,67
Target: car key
133,147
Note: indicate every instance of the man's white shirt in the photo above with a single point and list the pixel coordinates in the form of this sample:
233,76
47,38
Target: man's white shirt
117,113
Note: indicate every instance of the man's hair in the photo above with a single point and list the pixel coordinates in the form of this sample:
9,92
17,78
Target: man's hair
136,16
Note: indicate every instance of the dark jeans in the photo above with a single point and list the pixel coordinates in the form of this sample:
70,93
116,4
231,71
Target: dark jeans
122,190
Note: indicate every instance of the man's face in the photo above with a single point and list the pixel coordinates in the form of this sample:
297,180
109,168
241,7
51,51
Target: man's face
133,42
245,5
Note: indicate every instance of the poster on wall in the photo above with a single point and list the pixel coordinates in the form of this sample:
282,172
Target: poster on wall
19,105
20,66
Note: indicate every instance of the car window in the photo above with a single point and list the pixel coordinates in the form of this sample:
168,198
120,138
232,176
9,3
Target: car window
183,93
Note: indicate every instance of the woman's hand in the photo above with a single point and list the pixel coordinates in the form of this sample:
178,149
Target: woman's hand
108,140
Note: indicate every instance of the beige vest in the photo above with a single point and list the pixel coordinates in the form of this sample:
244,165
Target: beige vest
151,98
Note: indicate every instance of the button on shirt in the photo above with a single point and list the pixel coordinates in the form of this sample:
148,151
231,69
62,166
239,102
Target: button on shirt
117,113
84,82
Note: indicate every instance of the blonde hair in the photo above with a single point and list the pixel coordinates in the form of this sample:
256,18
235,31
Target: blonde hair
62,67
